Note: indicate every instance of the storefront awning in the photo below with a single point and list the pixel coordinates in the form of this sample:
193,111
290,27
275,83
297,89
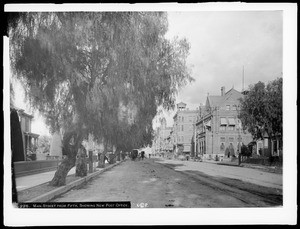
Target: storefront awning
223,121
231,122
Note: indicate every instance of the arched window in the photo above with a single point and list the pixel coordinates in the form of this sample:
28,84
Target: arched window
222,147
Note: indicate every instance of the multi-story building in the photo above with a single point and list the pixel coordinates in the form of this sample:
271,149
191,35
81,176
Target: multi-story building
183,129
218,130
29,139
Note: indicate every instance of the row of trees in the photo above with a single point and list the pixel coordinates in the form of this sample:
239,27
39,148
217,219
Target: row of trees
99,73
261,109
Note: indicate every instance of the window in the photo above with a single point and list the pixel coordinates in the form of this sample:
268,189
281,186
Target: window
222,143
223,128
182,128
182,119
231,139
231,124
231,128
266,142
227,107
223,124
234,107
222,146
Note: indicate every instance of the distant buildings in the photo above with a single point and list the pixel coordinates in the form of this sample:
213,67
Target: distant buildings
212,131
183,129
162,142
218,129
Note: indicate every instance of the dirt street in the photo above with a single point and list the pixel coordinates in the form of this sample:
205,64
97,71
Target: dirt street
155,183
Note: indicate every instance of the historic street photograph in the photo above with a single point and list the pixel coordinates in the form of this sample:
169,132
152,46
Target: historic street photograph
151,108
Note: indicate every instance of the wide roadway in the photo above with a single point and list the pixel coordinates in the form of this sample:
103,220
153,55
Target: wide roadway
158,183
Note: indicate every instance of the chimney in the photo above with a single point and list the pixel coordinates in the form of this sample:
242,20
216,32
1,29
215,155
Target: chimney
222,91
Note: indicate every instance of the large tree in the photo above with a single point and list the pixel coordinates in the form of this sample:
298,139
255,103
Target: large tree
261,109
81,70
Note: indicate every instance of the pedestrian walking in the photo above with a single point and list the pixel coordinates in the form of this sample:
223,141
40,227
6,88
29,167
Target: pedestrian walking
142,155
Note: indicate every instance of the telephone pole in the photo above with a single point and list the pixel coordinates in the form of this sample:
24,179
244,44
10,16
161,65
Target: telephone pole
243,79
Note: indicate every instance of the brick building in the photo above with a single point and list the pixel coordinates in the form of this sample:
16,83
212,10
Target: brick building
218,129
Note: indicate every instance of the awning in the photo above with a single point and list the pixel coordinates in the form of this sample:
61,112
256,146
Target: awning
223,121
231,121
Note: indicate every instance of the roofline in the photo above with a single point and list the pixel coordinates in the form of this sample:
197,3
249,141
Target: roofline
204,117
31,134
22,112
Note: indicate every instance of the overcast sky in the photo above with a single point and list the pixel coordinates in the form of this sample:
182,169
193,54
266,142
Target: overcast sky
221,44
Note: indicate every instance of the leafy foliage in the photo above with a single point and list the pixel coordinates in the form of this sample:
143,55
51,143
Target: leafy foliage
81,68
43,145
245,151
261,109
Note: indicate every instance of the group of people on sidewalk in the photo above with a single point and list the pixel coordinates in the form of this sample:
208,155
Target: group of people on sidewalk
136,155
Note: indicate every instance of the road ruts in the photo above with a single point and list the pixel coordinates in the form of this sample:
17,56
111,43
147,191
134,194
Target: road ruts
147,183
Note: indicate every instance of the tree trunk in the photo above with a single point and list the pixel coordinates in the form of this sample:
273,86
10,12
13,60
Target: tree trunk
118,151
104,153
100,160
81,162
101,163
70,151
65,166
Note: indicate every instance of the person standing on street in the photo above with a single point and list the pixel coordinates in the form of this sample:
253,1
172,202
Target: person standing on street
142,155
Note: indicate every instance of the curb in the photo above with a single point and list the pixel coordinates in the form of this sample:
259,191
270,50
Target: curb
56,192
229,164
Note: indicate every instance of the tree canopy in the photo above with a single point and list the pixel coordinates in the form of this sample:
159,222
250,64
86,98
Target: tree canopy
261,109
100,73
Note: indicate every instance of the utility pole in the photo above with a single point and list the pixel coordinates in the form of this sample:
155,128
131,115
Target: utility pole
243,78
239,129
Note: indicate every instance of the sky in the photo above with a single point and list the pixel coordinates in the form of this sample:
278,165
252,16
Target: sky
38,125
223,43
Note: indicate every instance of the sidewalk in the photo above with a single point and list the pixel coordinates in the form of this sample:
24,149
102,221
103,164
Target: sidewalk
266,168
35,188
213,168
30,181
